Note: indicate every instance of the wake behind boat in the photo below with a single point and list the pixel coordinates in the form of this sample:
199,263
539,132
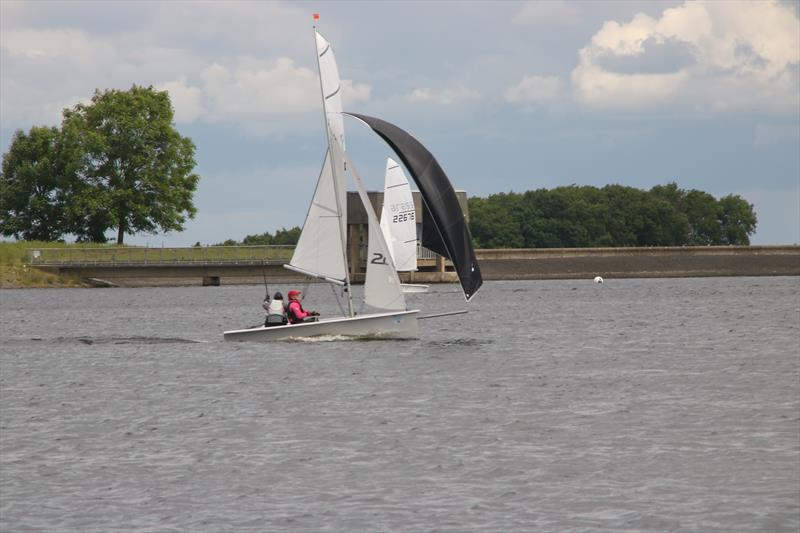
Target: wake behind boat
320,250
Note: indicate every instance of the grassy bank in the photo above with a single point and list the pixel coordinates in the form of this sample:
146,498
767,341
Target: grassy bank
15,272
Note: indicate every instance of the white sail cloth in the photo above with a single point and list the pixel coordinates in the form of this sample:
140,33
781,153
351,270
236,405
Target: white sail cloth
381,284
398,218
320,250
331,89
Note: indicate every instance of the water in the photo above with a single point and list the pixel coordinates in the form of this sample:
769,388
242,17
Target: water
636,405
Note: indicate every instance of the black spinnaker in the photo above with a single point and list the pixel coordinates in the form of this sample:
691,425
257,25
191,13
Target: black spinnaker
444,229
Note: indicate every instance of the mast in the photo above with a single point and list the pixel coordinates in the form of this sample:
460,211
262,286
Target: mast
336,171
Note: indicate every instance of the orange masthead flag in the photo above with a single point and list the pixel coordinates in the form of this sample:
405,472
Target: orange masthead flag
316,16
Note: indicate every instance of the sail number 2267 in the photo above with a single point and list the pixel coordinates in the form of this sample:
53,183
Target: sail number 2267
403,217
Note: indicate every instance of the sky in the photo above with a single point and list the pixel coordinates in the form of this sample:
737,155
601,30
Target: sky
509,96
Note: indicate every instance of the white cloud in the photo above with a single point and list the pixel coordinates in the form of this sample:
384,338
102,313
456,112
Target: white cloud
253,91
447,96
541,12
700,56
354,92
45,43
186,100
200,53
420,95
255,88
533,90
52,67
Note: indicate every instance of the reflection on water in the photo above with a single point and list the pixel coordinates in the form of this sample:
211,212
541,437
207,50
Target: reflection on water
649,405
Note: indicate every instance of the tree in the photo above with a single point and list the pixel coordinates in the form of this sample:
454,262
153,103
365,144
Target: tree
117,162
137,169
615,215
282,236
738,219
675,223
703,213
287,236
492,223
32,186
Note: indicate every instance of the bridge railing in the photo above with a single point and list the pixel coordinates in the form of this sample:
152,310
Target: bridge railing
132,255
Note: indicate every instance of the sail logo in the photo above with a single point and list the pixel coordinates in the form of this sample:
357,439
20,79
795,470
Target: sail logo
402,206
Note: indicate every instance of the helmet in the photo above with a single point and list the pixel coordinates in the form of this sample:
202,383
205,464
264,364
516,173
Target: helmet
294,294
278,296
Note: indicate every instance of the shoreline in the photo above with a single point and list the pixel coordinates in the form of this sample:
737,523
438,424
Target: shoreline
495,264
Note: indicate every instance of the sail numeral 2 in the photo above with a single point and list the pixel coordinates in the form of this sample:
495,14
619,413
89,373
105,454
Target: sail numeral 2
378,259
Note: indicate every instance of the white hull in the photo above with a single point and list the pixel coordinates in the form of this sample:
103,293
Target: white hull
394,325
413,288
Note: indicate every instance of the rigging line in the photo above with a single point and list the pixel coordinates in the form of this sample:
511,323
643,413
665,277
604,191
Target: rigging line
304,292
338,301
264,273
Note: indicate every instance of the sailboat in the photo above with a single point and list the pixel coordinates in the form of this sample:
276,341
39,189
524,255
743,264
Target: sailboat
321,249
399,223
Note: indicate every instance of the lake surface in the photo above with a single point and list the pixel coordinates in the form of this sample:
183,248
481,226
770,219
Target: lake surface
635,405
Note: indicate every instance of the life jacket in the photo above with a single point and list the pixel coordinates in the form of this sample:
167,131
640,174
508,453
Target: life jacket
276,314
292,311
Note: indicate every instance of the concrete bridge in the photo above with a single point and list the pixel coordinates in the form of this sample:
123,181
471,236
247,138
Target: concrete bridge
211,265
250,264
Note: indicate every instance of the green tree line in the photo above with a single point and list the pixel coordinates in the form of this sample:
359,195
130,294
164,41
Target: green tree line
282,236
613,215
115,163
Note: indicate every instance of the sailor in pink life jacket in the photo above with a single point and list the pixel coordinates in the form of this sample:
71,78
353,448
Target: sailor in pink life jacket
295,310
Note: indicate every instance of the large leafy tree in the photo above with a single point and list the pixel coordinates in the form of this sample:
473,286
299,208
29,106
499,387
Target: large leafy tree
738,219
116,163
703,212
137,175
37,173
492,222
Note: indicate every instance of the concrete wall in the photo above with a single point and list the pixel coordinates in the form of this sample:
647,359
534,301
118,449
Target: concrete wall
701,261
503,264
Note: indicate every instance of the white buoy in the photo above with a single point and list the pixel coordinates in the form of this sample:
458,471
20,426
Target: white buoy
598,279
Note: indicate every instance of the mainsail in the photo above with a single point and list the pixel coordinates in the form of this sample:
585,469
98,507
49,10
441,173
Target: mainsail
320,251
442,215
331,89
398,218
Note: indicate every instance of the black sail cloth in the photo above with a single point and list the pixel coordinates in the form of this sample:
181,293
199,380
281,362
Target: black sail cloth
444,228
